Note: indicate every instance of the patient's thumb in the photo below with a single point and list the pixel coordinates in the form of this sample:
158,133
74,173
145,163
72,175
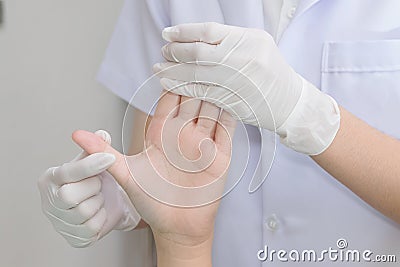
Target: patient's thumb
100,143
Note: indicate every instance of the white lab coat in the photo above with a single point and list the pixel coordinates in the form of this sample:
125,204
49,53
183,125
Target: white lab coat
348,49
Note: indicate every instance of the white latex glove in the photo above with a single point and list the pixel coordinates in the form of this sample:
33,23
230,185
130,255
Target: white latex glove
83,201
242,71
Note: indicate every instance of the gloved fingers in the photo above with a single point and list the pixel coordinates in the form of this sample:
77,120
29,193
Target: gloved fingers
220,75
78,242
93,144
224,98
168,105
163,66
208,119
203,92
225,131
194,53
87,230
81,213
103,134
121,214
189,109
181,88
71,195
177,71
209,32
80,156
92,165
46,180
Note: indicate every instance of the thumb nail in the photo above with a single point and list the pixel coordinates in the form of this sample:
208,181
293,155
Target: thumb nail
104,135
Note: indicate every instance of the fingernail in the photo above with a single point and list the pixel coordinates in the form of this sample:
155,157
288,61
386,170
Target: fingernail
156,67
104,135
166,33
166,83
170,29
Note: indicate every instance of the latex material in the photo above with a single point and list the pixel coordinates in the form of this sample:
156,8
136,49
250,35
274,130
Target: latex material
83,201
242,71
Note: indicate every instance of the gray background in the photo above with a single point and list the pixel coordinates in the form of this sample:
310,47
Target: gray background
50,51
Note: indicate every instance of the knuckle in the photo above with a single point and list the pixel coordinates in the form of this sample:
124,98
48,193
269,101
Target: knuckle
90,207
208,30
210,26
50,172
80,244
65,194
167,52
203,52
76,241
95,224
188,90
63,171
45,178
96,183
85,210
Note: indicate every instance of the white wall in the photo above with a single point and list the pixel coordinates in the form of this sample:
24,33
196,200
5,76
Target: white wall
49,53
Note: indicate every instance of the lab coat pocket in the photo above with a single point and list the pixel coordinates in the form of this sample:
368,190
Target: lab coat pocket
364,78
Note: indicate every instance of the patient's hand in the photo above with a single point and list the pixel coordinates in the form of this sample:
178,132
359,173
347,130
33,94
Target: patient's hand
188,144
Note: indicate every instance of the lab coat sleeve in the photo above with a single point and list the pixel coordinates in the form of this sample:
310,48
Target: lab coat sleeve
134,48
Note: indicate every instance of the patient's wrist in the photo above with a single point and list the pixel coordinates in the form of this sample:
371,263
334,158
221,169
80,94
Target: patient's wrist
172,253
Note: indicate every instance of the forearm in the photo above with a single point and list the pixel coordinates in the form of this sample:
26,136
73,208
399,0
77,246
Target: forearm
140,125
367,162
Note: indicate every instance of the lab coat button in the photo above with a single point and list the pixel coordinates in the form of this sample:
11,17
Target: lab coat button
292,12
272,223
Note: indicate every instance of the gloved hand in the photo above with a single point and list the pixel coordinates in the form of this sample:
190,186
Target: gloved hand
242,71
83,201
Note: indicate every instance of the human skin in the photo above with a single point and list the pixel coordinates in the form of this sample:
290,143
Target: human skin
367,161
362,158
183,235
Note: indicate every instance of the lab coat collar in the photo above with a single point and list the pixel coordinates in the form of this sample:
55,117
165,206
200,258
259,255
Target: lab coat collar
304,5
251,13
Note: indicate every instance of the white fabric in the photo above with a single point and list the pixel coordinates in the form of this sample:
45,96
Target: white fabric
347,49
278,15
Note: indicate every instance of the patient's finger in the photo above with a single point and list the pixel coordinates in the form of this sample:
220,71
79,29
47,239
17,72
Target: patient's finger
208,119
189,108
168,105
225,129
